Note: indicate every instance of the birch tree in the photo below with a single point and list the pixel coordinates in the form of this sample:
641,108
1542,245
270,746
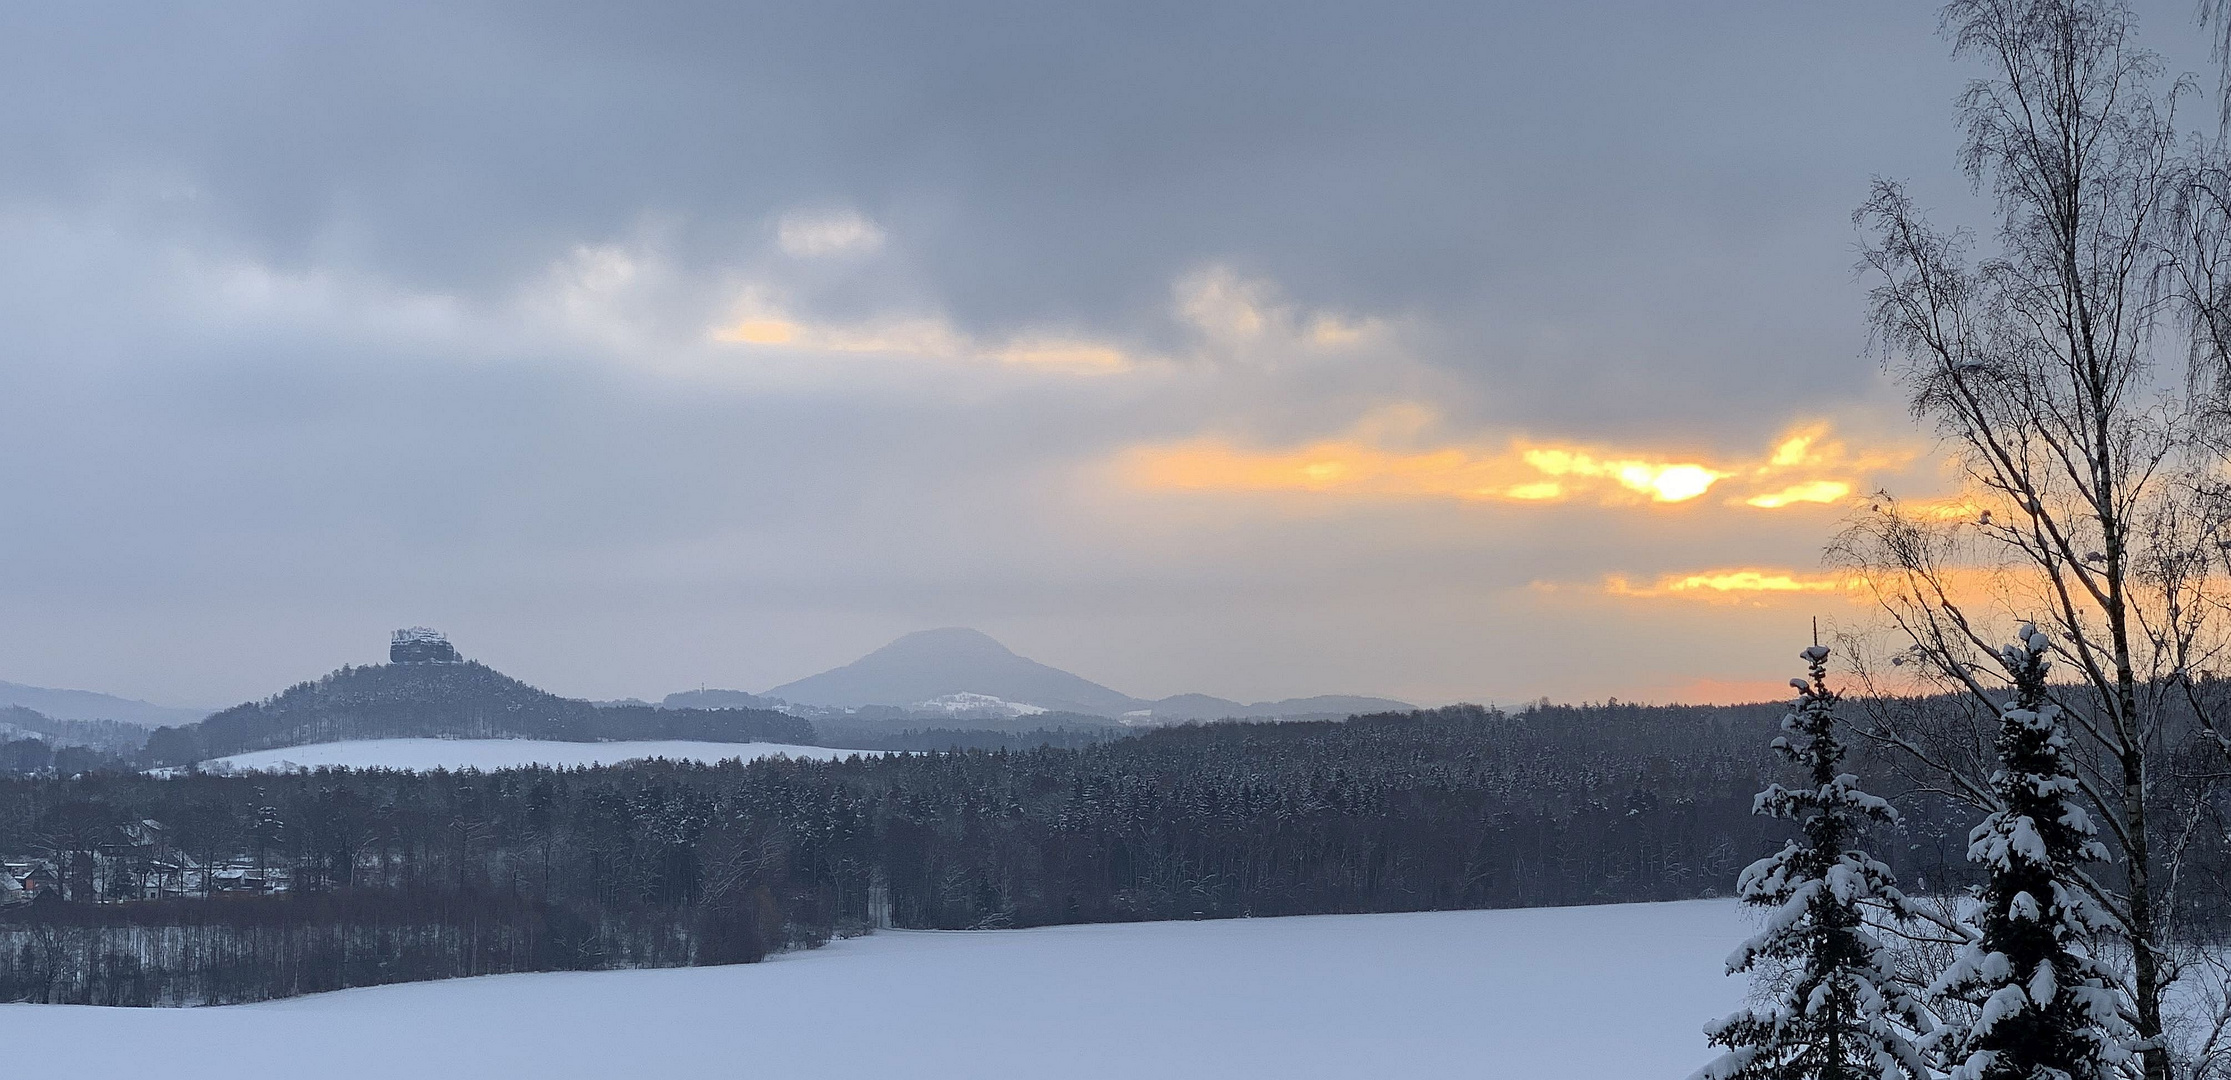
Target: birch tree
2046,356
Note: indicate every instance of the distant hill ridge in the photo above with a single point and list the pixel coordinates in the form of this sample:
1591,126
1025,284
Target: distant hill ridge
461,700
113,736
88,705
930,665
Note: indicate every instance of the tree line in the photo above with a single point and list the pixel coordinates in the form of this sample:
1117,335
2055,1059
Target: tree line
670,863
393,876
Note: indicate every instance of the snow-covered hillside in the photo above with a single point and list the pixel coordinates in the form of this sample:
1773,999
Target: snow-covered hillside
974,705
427,754
1544,993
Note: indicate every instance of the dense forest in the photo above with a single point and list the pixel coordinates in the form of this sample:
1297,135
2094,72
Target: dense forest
463,700
393,876
390,876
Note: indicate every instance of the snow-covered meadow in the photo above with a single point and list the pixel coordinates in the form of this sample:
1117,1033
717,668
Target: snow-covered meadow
423,755
1601,993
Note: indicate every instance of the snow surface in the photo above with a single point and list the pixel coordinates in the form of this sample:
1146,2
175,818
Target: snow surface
1602,993
965,703
424,755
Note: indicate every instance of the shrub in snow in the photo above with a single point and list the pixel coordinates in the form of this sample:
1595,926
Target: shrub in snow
2042,1007
1833,1010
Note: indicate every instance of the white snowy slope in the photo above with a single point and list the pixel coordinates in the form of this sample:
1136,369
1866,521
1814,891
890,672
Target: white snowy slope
969,704
1604,993
423,755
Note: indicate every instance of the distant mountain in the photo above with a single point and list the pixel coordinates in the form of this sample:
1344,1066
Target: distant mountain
934,664
459,700
963,673
88,705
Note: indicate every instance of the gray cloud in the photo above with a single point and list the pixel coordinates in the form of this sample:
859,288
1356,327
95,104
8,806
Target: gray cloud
322,318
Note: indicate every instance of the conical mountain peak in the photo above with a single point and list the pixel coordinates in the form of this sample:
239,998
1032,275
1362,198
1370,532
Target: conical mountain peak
947,641
931,664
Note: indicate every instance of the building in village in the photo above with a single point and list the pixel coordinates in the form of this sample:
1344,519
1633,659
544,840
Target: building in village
129,861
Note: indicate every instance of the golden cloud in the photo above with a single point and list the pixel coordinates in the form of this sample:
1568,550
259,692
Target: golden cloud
1796,448
1971,585
1802,468
1663,482
1735,584
1810,491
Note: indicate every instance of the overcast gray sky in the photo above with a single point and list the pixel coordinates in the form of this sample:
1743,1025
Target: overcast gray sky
1191,347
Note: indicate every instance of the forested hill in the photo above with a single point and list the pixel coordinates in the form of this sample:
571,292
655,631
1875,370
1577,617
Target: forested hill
466,700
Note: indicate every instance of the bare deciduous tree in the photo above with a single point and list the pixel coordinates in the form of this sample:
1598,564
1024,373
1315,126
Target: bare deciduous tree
2093,497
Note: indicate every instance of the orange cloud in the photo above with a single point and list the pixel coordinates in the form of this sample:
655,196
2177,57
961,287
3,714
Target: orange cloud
1802,468
1735,584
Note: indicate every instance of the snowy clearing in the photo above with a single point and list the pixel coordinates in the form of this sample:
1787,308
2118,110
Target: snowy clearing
424,755
1544,993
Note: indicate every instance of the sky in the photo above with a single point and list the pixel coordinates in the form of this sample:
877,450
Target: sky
1445,351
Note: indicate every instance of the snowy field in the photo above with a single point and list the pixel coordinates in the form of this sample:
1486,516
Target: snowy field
1604,993
424,755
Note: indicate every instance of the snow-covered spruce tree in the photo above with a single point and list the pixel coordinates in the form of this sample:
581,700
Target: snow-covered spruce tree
1837,1015
2043,1008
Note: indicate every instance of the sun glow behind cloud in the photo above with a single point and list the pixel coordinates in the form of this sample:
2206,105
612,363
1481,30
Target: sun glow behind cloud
1663,482
1363,464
